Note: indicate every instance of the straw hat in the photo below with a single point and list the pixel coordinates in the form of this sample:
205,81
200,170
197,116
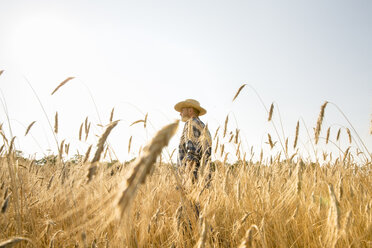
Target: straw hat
190,103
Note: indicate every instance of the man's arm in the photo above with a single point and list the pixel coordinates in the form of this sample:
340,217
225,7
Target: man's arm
192,142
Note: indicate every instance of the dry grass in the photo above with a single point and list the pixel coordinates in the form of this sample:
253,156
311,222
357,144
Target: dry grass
255,205
268,203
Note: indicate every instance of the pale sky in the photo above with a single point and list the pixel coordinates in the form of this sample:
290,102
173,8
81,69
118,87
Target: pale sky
145,56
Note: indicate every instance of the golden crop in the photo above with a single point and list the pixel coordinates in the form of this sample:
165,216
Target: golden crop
150,203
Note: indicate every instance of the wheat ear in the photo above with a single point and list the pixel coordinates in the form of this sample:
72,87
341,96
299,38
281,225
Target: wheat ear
29,127
225,129
297,132
271,112
56,123
238,92
13,241
145,120
138,121
248,239
319,122
129,144
112,114
349,134
102,140
328,134
100,147
215,135
61,84
81,130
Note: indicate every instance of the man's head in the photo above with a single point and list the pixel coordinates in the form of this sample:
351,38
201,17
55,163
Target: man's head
189,108
188,112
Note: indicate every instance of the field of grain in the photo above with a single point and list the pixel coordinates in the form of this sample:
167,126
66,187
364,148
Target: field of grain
287,201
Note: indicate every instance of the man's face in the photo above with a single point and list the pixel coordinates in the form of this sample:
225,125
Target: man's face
185,114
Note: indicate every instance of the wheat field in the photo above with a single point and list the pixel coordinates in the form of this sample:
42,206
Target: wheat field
281,202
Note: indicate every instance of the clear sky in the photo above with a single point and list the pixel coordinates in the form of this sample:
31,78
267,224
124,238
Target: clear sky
145,56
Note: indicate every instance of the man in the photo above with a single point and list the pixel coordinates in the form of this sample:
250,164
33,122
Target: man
196,142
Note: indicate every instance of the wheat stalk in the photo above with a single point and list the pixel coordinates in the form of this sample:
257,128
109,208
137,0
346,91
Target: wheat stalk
238,150
328,134
56,123
81,130
300,166
286,145
231,138
12,241
4,137
271,112
215,135
238,92
333,221
261,156
142,166
338,134
349,134
61,84
347,222
129,144
112,114
87,154
216,148
171,155
270,141
87,131
51,243
11,144
50,182
145,121
67,148
203,235
102,140
29,127
138,121
319,122
345,154
225,128
247,241
225,159
236,136
291,158
86,125
222,149
105,153
5,204
296,136
61,149
100,146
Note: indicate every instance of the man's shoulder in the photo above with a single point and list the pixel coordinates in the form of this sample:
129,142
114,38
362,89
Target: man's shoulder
197,121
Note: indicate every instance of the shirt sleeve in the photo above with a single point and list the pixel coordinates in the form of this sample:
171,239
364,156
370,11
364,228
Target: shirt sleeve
193,149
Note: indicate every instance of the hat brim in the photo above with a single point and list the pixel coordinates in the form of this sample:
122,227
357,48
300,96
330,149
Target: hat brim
178,107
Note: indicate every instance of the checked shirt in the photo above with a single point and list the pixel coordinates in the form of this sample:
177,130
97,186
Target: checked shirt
195,143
